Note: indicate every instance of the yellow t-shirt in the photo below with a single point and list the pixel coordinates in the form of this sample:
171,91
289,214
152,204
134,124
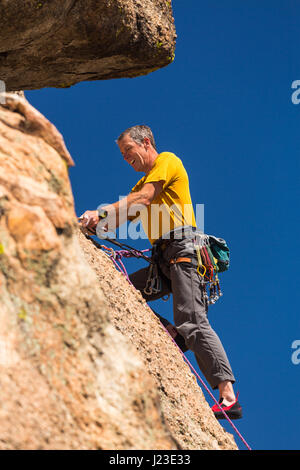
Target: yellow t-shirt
173,206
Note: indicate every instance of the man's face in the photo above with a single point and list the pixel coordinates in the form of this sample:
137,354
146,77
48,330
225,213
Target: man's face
135,154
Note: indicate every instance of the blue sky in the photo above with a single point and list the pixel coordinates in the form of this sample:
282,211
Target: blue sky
224,107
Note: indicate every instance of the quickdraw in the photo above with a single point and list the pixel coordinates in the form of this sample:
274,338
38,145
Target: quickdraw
207,269
153,284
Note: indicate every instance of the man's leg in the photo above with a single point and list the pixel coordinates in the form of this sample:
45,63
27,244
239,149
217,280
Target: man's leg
139,279
226,391
190,316
178,338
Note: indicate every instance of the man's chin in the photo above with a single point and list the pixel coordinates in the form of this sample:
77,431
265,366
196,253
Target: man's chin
138,168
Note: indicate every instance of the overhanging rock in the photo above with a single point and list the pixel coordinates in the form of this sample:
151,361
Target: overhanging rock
57,44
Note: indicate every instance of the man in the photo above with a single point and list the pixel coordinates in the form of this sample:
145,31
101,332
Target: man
163,202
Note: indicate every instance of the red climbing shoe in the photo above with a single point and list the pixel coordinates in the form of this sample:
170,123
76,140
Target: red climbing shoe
233,411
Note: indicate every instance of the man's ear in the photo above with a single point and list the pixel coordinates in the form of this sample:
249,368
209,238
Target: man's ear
147,142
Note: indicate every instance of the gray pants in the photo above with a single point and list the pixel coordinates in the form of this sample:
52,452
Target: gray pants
190,309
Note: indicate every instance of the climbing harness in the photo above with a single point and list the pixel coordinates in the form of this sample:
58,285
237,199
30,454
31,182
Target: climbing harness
212,258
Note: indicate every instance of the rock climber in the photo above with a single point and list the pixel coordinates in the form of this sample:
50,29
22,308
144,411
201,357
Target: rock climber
162,201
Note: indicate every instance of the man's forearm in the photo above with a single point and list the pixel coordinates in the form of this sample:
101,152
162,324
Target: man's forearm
127,207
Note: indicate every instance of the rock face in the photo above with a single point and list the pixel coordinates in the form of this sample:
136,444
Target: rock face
89,40
84,363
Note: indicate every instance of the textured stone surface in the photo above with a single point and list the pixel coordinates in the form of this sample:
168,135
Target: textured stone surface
84,363
58,43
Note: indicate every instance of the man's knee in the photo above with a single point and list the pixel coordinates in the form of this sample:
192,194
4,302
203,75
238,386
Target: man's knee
179,340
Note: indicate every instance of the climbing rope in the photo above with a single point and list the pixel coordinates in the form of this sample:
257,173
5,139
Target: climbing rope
116,256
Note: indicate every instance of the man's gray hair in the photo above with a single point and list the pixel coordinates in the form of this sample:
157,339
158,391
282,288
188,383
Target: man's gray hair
138,134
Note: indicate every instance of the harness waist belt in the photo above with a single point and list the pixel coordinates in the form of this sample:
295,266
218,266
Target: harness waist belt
180,260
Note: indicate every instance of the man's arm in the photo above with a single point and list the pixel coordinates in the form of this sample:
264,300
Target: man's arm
119,210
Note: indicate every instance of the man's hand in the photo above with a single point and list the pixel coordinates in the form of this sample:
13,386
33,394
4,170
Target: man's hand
89,219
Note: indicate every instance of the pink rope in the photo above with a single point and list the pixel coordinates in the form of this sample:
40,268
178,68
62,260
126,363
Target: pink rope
124,271
117,256
124,253
121,269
